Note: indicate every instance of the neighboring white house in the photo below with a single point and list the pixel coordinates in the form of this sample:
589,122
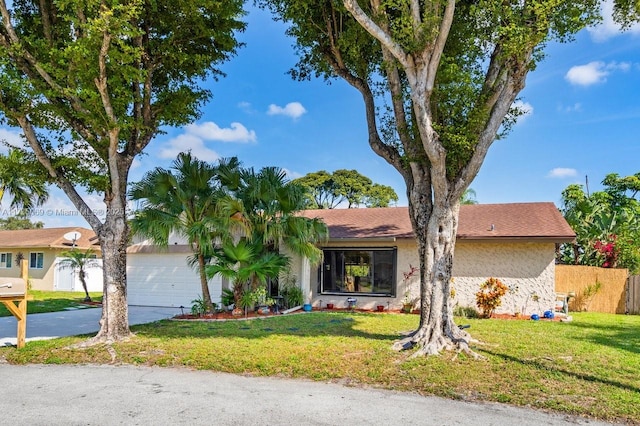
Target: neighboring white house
161,276
370,250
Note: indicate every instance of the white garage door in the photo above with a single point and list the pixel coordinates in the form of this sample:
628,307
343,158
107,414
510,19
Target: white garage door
165,279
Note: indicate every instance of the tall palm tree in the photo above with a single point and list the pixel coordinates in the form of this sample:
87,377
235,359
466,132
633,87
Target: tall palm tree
269,205
24,179
79,261
189,201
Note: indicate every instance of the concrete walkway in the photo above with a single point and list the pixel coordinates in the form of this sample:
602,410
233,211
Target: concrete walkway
74,322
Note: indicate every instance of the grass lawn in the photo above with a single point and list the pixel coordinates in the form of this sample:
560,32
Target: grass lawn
53,301
588,367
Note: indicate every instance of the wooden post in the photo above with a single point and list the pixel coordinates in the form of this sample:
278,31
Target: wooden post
19,311
22,305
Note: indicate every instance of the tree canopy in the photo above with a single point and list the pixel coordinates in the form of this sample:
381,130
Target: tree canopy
329,190
438,80
606,223
90,83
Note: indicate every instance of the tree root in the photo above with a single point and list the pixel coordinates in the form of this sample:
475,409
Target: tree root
436,344
99,340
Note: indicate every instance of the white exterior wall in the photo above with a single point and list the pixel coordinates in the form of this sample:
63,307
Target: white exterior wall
529,267
66,279
526,268
165,279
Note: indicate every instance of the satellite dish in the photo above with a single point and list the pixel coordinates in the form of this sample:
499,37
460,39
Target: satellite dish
72,236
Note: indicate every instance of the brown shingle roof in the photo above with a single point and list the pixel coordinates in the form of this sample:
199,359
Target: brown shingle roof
517,221
47,237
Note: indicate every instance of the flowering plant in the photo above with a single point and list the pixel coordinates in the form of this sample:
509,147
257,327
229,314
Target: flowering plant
408,300
608,251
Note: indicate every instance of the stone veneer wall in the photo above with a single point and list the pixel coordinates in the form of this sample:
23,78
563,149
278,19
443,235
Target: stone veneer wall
526,268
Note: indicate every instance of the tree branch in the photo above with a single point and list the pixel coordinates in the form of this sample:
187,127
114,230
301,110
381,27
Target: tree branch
377,32
434,58
59,177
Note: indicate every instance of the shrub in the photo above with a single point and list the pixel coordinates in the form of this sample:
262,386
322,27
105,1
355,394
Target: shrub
490,296
199,307
465,311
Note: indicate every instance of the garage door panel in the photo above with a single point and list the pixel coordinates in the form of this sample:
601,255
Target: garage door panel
165,280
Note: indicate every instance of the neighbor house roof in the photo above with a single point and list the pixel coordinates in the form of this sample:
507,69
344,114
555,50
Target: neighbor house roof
517,221
48,238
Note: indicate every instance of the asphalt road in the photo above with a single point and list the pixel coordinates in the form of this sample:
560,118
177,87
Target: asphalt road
128,395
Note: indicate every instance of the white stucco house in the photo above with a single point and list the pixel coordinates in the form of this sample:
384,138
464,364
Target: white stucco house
370,250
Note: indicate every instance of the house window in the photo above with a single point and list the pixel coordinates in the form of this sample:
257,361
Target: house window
36,260
5,260
359,271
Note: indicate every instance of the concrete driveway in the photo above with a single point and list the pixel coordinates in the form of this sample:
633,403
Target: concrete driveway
74,322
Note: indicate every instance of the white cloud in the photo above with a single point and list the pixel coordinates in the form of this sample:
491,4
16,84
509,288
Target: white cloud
562,172
608,28
577,107
210,131
586,75
11,137
292,109
526,109
594,72
188,142
291,175
196,134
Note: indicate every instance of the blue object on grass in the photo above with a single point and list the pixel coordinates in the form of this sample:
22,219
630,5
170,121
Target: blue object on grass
535,317
549,314
307,307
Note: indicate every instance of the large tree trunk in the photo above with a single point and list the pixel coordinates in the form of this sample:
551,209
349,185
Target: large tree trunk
436,242
114,324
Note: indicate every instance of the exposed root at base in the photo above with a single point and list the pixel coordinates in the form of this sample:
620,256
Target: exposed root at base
435,347
99,340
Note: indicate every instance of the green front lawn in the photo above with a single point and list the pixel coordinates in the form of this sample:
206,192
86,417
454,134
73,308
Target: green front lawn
587,367
53,301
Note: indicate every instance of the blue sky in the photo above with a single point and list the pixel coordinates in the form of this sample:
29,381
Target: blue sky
584,120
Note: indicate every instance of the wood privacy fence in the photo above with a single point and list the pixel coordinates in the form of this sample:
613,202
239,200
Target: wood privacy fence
610,298
633,294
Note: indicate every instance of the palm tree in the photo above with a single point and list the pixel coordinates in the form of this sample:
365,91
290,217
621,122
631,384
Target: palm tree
80,261
269,205
189,201
468,197
246,265
24,179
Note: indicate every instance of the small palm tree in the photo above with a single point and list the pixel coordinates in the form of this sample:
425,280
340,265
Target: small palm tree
246,265
24,179
80,261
